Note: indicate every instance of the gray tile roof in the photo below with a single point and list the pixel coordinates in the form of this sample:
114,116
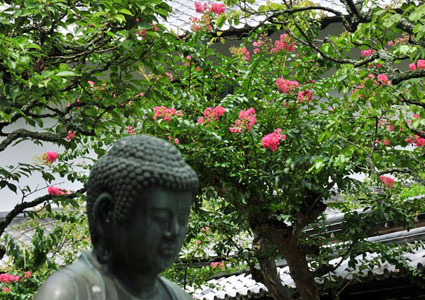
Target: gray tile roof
243,286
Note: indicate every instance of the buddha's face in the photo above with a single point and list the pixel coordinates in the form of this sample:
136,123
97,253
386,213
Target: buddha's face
151,239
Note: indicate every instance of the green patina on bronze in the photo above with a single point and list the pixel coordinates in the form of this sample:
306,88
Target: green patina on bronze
138,202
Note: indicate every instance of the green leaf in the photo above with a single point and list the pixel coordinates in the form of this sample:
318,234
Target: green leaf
67,73
126,11
390,21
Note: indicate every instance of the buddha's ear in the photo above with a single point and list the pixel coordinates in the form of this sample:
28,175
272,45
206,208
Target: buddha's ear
103,211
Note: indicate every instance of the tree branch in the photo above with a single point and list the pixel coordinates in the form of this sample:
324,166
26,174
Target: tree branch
23,133
19,208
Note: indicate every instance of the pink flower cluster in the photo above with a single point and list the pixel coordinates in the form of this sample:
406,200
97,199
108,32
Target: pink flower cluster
286,86
383,78
218,265
170,76
418,141
166,113
8,278
387,181
215,8
368,52
200,7
420,64
130,130
285,43
272,140
241,51
211,114
246,120
306,95
50,156
70,135
55,191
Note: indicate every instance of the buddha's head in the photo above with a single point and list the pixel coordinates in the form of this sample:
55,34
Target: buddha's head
138,200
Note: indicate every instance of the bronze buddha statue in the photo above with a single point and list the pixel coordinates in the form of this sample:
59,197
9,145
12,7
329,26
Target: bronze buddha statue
138,200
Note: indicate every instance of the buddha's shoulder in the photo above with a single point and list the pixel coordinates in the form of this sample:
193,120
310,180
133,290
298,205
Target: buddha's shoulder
60,285
178,292
73,282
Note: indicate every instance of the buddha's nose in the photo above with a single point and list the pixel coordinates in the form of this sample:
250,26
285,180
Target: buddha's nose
173,228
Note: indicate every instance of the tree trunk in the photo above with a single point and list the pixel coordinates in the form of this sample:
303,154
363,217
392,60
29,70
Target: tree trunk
268,271
299,270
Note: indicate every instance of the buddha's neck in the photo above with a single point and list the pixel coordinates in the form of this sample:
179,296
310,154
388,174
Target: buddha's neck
141,287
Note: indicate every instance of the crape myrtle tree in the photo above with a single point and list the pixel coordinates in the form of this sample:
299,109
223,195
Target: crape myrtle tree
273,130
281,125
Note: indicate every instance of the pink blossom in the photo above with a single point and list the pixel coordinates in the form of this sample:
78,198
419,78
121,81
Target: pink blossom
421,64
170,76
217,8
246,54
130,130
154,26
218,265
412,67
68,105
383,78
71,135
5,289
51,156
245,122
390,127
386,143
197,69
387,181
142,32
368,52
176,141
416,116
420,142
286,86
55,191
211,114
305,95
140,94
166,113
200,8
272,140
189,57
8,278
198,242
196,28
390,43
91,83
27,274
285,43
